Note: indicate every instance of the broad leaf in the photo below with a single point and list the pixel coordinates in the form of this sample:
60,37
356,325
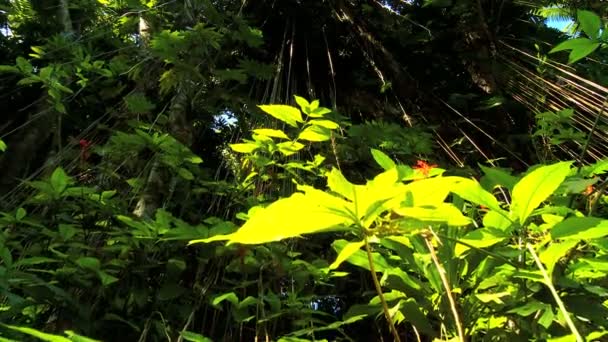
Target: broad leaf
590,23
345,253
274,133
536,187
315,133
582,52
288,148
289,217
59,180
383,160
244,147
554,252
288,114
580,228
571,44
443,213
480,238
325,123
472,191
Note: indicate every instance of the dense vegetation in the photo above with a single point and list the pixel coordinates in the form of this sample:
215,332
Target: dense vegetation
359,170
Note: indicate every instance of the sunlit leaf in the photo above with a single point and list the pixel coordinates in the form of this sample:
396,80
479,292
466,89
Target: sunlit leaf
580,228
536,187
244,147
551,255
288,114
274,133
472,191
345,253
289,217
480,238
288,148
382,159
315,133
325,123
443,213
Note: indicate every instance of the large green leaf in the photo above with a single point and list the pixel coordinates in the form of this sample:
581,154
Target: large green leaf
472,191
536,187
580,228
244,147
59,180
348,250
551,255
39,334
590,23
302,213
442,213
571,44
315,133
288,114
274,133
582,52
383,160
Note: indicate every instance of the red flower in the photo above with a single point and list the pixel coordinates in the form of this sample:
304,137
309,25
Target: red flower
84,149
423,167
84,143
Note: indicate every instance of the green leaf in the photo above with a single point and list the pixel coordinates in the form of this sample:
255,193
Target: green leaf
39,334
480,238
185,173
472,191
194,337
590,23
34,261
289,217
2,146
59,180
383,160
442,213
288,148
319,112
340,185
230,296
315,133
580,228
536,187
554,252
494,177
20,214
90,263
106,279
571,44
497,220
244,147
288,114
345,253
274,133
325,123
582,52
303,103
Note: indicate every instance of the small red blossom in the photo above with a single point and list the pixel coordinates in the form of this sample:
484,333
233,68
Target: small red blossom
589,190
423,167
84,143
85,153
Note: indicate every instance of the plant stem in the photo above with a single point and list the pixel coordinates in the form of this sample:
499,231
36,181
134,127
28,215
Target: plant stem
560,304
387,313
446,285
